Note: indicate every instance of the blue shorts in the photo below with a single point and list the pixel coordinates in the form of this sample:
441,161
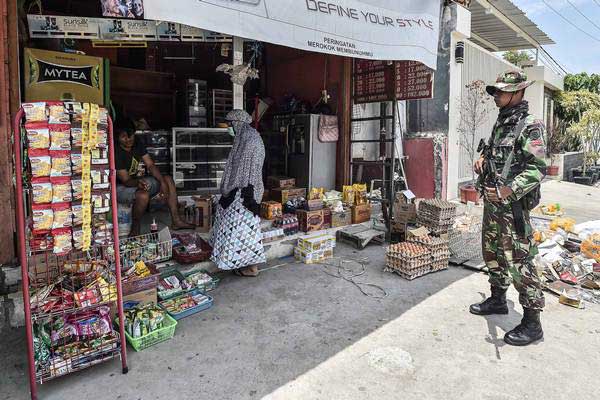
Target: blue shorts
126,194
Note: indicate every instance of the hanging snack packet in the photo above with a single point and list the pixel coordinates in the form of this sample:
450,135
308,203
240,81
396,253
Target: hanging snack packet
78,238
63,216
76,161
101,202
99,156
360,193
41,163
62,241
101,138
77,210
73,108
100,177
57,113
61,189
76,136
76,188
60,136
42,218
35,112
348,195
61,163
42,190
38,135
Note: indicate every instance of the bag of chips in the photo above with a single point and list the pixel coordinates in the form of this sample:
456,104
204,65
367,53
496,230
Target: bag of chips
101,138
360,193
43,218
62,241
57,114
35,112
76,162
348,195
76,188
61,163
60,136
42,190
61,189
63,216
38,135
41,163
76,136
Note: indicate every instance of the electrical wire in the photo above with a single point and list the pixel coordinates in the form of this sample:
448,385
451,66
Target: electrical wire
569,22
597,2
582,14
349,274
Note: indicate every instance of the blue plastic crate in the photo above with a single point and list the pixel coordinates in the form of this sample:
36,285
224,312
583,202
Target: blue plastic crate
189,311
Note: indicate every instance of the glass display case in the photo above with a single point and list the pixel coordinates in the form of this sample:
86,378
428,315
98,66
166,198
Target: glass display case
199,158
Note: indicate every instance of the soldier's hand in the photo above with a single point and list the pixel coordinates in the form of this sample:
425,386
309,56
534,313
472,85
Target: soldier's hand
491,195
478,166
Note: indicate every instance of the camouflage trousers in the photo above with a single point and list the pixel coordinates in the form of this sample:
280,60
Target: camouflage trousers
508,254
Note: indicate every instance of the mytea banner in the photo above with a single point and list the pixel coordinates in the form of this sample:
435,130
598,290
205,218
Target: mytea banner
368,29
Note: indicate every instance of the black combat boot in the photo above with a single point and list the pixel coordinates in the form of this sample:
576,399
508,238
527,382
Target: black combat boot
492,305
529,331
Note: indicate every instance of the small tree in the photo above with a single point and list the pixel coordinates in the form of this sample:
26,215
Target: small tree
475,108
518,58
588,130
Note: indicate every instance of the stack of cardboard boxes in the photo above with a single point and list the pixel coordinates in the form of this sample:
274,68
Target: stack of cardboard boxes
315,249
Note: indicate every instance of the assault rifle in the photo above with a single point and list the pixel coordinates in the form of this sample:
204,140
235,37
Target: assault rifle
489,175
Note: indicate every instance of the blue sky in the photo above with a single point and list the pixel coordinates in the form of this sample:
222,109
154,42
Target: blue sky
573,49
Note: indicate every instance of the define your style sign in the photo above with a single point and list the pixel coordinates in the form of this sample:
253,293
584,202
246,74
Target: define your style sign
370,29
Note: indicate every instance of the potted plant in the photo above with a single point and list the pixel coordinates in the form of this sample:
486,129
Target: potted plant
475,108
588,130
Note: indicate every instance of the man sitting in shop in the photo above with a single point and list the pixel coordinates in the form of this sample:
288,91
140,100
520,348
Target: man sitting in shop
135,188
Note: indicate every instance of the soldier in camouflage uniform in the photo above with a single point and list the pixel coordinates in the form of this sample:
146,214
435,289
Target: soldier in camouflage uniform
508,246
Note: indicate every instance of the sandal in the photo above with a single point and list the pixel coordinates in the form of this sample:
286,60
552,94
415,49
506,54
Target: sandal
240,272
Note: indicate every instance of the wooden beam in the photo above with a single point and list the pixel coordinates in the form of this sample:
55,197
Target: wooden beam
343,148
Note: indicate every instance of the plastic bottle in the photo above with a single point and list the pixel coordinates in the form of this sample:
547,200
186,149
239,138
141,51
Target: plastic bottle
153,226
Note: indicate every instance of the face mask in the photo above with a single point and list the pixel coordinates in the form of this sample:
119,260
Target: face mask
231,131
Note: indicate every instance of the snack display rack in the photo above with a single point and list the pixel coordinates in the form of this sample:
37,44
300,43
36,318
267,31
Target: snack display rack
67,295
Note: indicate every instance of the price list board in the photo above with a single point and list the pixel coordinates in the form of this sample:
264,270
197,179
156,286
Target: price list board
413,80
372,81
379,81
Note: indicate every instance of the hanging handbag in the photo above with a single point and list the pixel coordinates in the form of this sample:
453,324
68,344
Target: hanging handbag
328,128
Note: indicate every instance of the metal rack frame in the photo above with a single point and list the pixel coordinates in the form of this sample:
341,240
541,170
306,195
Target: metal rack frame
24,253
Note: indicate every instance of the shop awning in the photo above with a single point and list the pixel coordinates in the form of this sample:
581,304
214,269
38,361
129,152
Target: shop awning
369,29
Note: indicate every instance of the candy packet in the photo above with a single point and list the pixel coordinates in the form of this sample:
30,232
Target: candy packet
42,190
41,163
60,136
38,135
43,217
35,112
61,163
61,189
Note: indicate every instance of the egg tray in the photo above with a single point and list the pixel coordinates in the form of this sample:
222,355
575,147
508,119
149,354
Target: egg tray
439,265
437,206
433,244
412,274
407,250
399,264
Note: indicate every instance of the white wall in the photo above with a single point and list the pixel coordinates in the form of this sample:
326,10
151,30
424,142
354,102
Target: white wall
535,96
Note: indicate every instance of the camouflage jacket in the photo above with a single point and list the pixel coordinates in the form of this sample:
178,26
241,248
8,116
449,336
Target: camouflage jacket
528,167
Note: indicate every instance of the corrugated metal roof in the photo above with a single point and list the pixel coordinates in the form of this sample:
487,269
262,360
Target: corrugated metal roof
496,32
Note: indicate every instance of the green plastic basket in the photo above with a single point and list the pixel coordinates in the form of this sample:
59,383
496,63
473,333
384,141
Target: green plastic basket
160,335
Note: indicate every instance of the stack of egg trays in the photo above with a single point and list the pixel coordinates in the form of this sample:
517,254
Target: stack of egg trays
409,267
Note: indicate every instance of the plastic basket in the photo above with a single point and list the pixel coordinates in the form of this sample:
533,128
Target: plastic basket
150,248
192,310
163,295
207,287
160,335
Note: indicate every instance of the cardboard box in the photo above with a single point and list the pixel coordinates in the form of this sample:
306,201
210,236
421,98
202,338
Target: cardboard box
314,205
416,232
315,242
339,219
132,286
200,214
361,213
271,210
405,210
282,195
310,221
327,223
274,182
141,298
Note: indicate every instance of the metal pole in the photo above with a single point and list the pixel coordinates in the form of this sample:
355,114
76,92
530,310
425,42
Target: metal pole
115,223
23,251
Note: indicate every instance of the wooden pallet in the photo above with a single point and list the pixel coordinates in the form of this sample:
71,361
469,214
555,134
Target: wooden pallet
360,236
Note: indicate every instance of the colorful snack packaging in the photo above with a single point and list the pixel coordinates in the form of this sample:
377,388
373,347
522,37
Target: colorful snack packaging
77,209
76,188
60,136
78,238
42,190
57,114
101,202
73,108
76,136
62,241
316,194
61,163
63,216
360,193
100,177
99,156
61,189
101,138
41,163
35,112
43,217
348,195
38,135
76,161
